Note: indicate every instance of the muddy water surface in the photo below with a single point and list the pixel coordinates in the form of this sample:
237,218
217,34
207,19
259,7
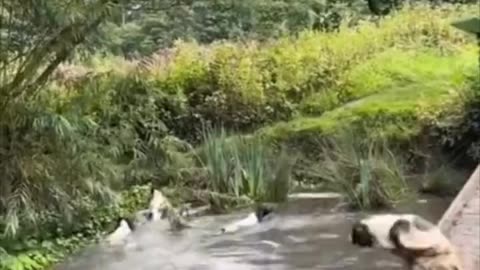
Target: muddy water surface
291,240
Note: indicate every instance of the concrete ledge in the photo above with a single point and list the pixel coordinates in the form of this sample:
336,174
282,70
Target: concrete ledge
461,222
467,192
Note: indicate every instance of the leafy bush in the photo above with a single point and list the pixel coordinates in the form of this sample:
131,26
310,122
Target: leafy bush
54,242
65,155
391,94
48,165
243,86
456,126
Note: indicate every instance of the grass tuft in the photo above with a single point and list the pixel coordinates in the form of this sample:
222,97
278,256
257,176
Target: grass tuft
245,167
366,171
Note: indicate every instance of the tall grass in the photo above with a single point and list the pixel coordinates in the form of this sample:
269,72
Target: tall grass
365,171
244,166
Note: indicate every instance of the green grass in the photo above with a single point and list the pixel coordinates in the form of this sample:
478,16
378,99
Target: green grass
366,171
388,94
243,166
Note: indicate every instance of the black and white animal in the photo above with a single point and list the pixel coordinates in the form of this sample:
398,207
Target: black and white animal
261,214
125,227
161,208
418,242
158,203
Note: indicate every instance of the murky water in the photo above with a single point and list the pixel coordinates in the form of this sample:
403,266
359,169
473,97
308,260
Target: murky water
291,240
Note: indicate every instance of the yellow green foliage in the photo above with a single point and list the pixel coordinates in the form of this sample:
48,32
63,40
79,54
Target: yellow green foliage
246,85
391,92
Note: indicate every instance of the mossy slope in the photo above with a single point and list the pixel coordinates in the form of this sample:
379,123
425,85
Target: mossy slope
389,94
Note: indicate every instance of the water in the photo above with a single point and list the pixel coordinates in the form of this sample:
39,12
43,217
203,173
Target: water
292,240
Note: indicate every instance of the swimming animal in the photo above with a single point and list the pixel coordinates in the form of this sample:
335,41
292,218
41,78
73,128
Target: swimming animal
157,204
124,228
261,213
418,242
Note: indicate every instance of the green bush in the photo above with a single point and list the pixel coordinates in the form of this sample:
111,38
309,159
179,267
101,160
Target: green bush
67,153
405,85
35,252
243,86
456,127
49,165
131,113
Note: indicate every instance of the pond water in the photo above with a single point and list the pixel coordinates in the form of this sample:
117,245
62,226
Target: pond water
291,240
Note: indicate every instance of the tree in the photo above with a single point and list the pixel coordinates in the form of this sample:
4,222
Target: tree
37,36
144,27
36,145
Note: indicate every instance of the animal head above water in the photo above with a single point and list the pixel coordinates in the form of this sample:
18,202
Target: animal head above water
361,236
126,222
374,231
158,200
263,210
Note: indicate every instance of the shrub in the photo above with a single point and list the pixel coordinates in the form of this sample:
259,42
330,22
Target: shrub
131,113
456,126
67,153
390,94
55,241
242,86
48,164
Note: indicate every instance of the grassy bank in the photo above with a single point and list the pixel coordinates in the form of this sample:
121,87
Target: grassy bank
391,93
106,125
249,85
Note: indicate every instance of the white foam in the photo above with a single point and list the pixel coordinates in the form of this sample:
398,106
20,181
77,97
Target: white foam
250,220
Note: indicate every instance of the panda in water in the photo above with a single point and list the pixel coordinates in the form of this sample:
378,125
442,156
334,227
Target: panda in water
161,208
419,243
261,214
157,205
124,228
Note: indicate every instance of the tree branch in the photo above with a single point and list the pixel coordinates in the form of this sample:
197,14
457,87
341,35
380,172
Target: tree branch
61,46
